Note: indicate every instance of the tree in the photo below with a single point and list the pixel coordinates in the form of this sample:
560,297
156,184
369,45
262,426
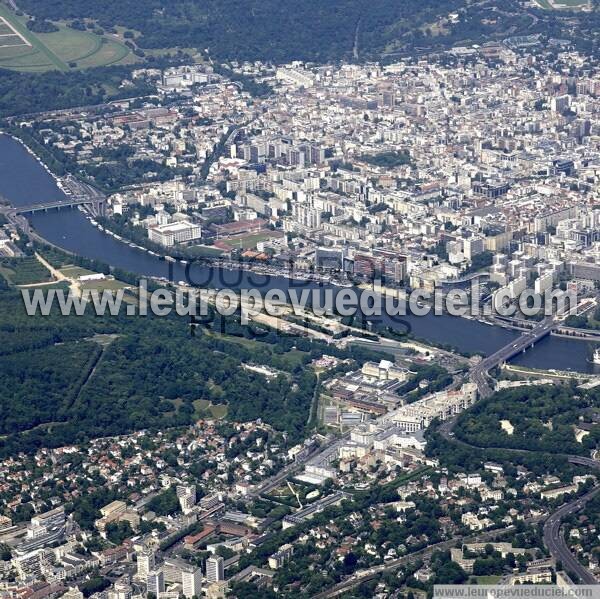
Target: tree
166,503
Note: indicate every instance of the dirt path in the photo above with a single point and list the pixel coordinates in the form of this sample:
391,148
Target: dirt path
74,285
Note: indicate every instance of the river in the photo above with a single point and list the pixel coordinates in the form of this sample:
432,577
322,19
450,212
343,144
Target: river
24,181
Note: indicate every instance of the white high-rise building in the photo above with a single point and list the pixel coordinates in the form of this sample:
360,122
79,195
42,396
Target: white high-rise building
155,582
307,216
187,497
473,246
172,233
145,563
215,568
191,581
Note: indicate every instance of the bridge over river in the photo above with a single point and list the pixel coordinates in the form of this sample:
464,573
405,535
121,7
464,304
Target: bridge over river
478,373
96,205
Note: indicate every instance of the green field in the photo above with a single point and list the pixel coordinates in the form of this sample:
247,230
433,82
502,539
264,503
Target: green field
105,285
10,41
65,49
289,360
204,251
74,272
486,579
204,408
24,271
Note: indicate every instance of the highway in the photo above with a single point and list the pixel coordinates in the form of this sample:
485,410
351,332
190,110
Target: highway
556,544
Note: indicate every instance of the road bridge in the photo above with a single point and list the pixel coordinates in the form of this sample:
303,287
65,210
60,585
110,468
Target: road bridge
97,205
478,373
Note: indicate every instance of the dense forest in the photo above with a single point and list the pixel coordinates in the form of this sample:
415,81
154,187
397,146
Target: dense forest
282,30
543,417
24,93
66,380
276,30
544,420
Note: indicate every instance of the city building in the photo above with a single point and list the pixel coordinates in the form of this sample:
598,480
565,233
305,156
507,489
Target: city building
215,569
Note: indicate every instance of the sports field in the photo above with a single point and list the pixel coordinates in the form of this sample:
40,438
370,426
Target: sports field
23,50
249,241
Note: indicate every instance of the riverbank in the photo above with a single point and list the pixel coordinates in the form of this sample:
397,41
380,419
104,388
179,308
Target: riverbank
35,157
553,374
261,269
257,268
21,179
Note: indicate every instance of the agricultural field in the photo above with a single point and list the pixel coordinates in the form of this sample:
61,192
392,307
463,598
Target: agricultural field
66,49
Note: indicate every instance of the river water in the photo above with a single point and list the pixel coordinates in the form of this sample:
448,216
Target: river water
23,181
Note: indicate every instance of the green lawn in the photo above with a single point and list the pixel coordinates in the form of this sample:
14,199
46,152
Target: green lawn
11,40
291,358
105,284
45,54
108,52
218,412
74,272
64,49
52,285
6,273
204,251
71,44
